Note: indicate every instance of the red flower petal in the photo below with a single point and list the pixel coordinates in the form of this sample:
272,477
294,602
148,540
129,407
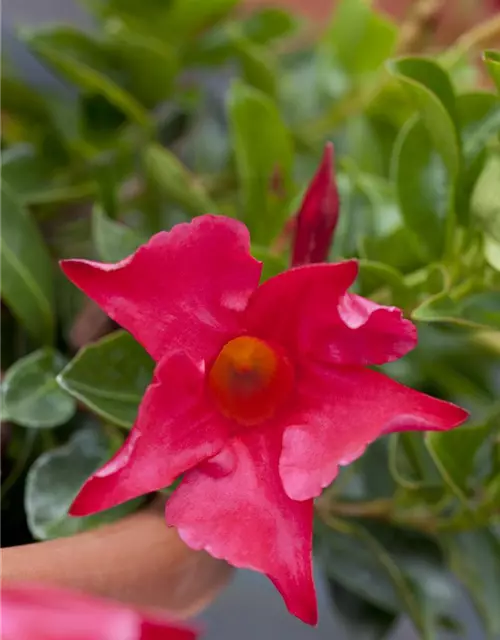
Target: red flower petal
176,428
366,333
234,506
340,411
318,215
184,289
291,307
36,612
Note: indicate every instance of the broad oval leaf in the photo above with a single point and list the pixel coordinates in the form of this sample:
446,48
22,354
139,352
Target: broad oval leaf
54,480
264,159
110,377
31,395
430,87
423,186
27,285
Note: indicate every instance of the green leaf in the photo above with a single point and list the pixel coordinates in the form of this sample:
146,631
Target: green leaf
264,156
27,286
492,252
390,568
76,57
479,311
33,179
429,86
268,24
150,65
454,453
474,557
479,120
54,480
485,203
110,377
176,182
423,186
376,275
360,619
113,240
492,62
23,102
257,64
31,396
175,21
355,29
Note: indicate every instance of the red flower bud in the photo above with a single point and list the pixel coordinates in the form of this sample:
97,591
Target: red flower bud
318,215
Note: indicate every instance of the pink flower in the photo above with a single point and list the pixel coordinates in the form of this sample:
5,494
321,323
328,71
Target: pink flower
259,393
39,612
318,215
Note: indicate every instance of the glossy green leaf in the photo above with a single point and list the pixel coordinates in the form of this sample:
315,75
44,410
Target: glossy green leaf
479,311
423,186
430,88
31,395
356,28
113,240
176,182
79,60
492,62
474,557
110,377
264,157
479,121
54,480
27,286
361,620
454,453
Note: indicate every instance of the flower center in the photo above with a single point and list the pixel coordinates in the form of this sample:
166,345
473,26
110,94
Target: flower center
250,380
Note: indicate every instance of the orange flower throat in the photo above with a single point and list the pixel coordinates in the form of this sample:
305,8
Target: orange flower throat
250,380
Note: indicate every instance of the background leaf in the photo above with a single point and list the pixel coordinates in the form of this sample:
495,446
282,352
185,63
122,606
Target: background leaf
113,240
27,285
264,155
31,396
56,477
110,377
423,186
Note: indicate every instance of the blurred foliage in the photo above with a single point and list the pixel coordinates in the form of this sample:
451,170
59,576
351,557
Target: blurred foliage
181,107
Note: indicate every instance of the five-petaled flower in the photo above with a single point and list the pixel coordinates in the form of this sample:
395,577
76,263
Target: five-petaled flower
260,393
39,612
